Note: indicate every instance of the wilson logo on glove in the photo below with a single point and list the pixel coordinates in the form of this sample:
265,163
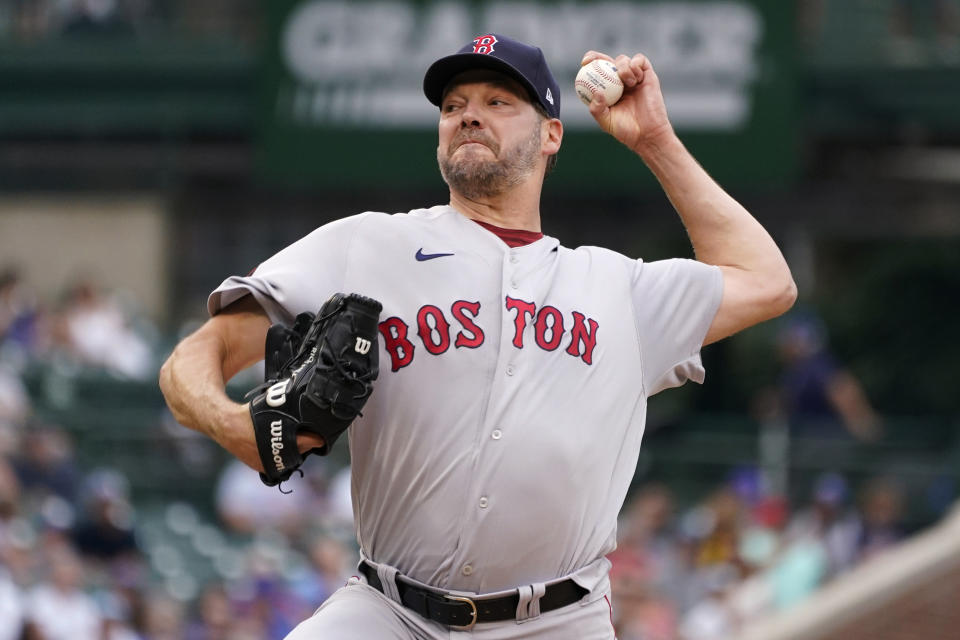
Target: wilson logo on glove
276,444
363,346
277,393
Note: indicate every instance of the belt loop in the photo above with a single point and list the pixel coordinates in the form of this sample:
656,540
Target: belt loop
523,611
533,608
388,578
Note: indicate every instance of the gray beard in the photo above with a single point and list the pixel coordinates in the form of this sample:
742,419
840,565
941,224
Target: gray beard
474,178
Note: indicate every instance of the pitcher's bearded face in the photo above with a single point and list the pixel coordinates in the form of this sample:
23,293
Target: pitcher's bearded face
477,167
489,135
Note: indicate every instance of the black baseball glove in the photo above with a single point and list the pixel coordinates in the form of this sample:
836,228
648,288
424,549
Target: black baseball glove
319,374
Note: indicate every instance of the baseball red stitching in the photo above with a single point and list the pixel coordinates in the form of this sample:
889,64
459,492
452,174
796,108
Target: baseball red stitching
588,85
603,72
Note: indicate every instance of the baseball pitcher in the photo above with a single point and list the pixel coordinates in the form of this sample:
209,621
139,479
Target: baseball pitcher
492,384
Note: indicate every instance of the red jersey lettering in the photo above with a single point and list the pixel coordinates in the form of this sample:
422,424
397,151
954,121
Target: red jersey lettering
394,332
440,329
582,337
523,309
459,310
554,328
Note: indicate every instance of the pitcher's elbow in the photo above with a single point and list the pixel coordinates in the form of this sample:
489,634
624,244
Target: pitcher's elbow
167,381
786,297
163,379
775,296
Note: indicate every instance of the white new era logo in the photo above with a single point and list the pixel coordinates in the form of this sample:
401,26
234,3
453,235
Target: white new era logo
549,96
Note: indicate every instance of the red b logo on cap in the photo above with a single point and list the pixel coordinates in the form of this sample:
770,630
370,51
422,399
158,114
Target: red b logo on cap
484,44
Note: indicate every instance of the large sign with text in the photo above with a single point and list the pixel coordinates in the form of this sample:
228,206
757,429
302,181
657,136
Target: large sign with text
342,100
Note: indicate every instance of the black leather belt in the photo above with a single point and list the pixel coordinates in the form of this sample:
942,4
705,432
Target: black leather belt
462,613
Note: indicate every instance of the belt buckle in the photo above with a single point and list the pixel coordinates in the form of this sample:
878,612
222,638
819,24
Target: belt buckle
473,612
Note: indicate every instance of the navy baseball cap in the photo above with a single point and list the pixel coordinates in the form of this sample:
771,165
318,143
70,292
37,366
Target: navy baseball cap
520,61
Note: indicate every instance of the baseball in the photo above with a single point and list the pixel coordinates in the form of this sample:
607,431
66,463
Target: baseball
599,76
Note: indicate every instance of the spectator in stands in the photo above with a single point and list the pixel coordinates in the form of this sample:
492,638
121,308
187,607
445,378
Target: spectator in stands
105,529
799,570
11,597
726,513
881,513
774,571
9,498
648,567
58,608
246,505
46,465
712,618
163,618
214,616
117,617
640,613
15,407
760,543
266,607
331,564
752,594
829,520
19,317
97,331
711,533
18,556
11,604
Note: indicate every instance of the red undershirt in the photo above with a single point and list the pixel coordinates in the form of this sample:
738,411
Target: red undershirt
513,237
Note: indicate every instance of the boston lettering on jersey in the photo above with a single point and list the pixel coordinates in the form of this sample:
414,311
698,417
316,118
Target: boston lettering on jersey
435,330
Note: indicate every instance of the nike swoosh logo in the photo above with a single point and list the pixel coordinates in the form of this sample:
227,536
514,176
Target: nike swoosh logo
421,256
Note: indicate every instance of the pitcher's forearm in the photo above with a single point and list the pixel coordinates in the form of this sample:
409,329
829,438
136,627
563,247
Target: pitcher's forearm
721,230
192,383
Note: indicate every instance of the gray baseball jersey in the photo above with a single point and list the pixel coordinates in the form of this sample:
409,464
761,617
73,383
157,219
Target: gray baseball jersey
504,429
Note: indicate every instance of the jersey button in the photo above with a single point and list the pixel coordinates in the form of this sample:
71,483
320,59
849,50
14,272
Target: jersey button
510,369
467,570
483,502
514,259
513,283
497,434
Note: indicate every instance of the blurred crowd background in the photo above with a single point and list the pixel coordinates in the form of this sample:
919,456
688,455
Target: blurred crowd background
145,156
